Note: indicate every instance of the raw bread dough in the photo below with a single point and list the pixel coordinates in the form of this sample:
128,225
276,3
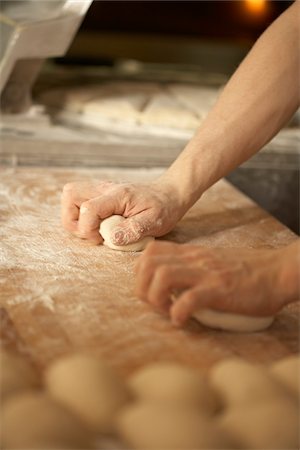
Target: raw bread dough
287,371
32,420
89,388
149,426
198,99
171,383
106,227
232,322
273,425
16,374
242,383
165,111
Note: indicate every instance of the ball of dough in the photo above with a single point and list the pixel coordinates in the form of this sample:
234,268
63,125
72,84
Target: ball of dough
174,384
16,374
32,420
266,426
232,322
106,227
89,388
287,371
240,382
149,426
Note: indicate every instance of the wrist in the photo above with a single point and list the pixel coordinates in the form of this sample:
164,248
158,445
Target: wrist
179,191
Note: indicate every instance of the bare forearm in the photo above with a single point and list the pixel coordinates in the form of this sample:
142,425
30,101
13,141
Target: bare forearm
258,100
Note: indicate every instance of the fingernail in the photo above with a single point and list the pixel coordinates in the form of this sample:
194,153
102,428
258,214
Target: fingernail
118,238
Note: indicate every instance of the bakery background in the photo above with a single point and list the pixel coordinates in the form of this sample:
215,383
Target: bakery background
120,104
133,86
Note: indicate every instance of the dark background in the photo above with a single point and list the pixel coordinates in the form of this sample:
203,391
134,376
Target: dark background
236,20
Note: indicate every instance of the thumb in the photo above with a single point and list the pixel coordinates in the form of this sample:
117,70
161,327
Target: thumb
131,229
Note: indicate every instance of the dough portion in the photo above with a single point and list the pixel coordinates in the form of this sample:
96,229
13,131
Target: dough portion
174,384
16,374
287,371
241,383
164,110
229,321
270,426
32,420
232,322
148,426
88,388
106,228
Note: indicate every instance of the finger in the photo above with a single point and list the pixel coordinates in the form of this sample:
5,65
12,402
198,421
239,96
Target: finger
189,302
145,272
166,280
69,217
73,195
95,210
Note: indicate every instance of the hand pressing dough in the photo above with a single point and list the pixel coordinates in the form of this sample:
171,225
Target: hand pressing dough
287,371
16,374
273,425
242,383
173,384
106,228
89,388
148,426
32,420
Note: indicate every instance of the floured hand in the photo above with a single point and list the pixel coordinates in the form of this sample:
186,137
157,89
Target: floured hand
151,209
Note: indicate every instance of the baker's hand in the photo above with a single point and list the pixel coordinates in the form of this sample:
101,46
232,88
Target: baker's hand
152,209
241,281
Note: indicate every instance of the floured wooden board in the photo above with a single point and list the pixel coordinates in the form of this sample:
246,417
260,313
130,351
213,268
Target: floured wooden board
59,294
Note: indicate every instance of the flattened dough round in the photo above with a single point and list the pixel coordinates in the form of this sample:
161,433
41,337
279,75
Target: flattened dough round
106,227
232,322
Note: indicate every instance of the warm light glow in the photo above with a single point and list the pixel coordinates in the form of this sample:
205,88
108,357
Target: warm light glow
256,6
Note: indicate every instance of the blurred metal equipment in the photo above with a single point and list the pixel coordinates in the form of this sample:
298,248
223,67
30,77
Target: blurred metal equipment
32,31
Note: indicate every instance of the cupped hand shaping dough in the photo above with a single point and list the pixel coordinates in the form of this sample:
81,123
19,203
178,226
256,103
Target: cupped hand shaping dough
106,228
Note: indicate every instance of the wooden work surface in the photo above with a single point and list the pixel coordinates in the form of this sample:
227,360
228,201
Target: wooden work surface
59,294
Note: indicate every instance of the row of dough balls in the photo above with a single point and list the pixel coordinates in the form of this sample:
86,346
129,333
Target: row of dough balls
238,405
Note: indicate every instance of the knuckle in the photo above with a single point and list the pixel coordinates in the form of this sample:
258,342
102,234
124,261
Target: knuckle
164,275
68,189
87,206
126,189
189,298
105,184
